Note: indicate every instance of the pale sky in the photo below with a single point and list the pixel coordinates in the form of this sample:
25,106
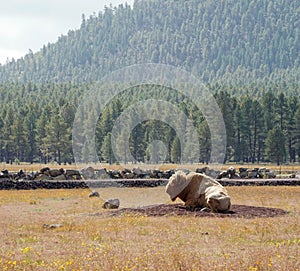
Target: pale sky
29,24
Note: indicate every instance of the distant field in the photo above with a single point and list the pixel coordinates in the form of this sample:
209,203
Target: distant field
84,240
36,167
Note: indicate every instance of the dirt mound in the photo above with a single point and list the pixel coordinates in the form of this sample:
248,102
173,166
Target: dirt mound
242,211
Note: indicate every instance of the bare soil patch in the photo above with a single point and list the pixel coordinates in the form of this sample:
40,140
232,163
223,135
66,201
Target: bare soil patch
242,211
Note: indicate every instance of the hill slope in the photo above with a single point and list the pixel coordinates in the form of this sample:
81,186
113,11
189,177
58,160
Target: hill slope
213,39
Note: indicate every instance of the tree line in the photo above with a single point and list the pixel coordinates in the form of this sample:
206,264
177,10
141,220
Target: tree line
36,122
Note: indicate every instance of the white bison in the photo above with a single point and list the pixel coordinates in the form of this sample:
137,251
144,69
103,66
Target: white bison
198,191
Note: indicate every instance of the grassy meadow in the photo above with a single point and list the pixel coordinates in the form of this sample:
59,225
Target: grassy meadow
83,239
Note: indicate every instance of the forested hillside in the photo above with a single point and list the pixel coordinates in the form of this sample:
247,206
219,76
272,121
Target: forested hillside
233,40
247,52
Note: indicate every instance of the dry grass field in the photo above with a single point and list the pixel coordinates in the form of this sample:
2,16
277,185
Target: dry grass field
81,239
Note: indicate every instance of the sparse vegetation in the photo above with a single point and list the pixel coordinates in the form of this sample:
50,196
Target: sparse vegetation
135,242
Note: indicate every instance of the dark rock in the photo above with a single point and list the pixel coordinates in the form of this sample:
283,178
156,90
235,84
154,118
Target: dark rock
43,176
253,174
88,172
202,170
111,204
137,172
129,175
4,174
61,177
270,174
56,172
207,171
166,175
29,177
115,174
45,170
72,174
223,174
101,173
94,194
19,175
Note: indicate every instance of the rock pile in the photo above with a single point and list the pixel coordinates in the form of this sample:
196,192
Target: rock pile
44,174
245,173
208,171
90,173
87,173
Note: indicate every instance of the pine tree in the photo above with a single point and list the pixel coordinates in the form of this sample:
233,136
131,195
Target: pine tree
57,141
226,104
18,139
275,145
176,151
106,149
297,132
257,131
205,143
239,124
1,140
30,129
43,148
122,146
7,135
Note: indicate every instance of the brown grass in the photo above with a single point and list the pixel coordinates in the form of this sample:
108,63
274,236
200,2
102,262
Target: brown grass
135,242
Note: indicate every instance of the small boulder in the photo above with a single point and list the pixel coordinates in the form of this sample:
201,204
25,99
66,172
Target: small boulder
203,170
270,174
73,174
45,171
253,173
5,174
101,174
115,174
61,177
167,174
137,172
88,172
94,194
56,172
223,174
111,204
42,176
243,172
124,172
129,175
232,173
